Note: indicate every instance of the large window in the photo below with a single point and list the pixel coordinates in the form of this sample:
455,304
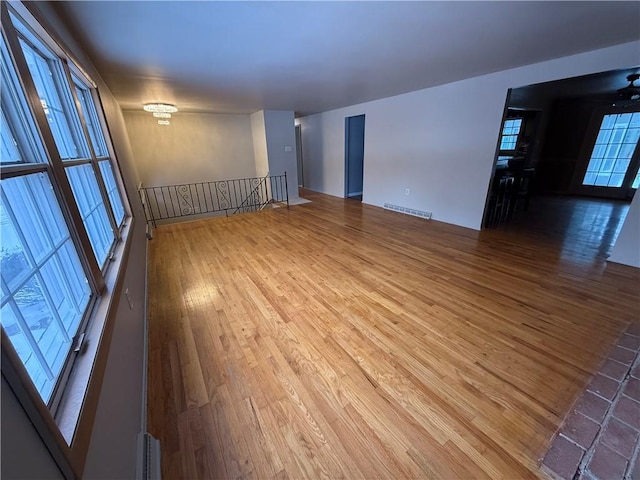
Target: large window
100,150
612,152
61,207
44,288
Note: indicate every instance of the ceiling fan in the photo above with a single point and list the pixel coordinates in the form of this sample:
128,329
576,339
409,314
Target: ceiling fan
631,91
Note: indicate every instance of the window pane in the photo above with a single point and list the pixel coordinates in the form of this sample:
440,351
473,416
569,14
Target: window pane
39,317
112,189
594,165
9,153
616,180
608,122
74,275
632,136
14,265
91,120
607,165
636,182
45,290
616,148
626,150
94,214
32,225
623,120
53,91
617,135
17,125
603,137
68,306
598,151
621,166
22,342
589,179
612,151
602,179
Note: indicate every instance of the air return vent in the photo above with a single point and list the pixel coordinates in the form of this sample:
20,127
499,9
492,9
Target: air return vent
148,464
408,211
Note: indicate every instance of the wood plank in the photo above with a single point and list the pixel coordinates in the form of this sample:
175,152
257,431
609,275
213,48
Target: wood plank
339,340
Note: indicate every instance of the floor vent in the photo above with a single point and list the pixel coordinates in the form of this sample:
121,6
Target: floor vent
148,465
408,211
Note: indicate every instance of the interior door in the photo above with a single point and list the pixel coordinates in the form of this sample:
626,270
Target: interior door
612,168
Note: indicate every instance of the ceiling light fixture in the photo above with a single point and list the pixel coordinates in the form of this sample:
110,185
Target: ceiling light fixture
161,115
164,122
160,108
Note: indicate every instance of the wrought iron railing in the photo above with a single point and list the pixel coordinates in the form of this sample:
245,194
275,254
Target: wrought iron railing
229,196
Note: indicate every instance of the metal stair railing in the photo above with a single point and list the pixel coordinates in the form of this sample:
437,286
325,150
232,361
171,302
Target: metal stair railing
257,199
229,196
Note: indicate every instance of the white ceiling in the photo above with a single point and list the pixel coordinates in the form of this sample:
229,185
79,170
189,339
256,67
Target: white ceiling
240,57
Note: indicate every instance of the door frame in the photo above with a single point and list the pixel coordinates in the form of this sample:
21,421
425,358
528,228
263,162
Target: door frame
346,153
299,157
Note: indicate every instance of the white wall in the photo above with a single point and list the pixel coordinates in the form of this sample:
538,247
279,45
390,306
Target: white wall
23,453
280,133
196,147
439,142
273,131
627,247
118,412
259,143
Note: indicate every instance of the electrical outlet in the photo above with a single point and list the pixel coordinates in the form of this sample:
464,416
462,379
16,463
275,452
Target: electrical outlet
406,191
287,148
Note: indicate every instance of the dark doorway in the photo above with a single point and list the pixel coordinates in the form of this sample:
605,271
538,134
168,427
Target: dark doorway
576,137
354,156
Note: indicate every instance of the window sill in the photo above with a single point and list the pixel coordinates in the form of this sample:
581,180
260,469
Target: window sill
77,408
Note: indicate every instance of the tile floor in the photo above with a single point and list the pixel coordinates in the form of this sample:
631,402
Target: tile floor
600,438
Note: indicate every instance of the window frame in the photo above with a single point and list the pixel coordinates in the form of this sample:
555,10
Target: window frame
65,424
517,135
630,172
626,191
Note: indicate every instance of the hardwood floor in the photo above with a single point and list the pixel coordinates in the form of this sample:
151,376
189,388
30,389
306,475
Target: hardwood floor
339,340
584,229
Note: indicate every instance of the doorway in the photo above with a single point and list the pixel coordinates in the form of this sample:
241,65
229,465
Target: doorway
354,157
299,155
585,157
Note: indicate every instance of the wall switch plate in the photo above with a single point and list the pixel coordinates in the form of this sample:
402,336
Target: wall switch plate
287,148
406,191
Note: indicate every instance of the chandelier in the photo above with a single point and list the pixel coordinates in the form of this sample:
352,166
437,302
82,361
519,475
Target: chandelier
160,108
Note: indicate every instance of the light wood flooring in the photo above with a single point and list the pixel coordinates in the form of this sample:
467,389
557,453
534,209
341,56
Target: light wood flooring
339,340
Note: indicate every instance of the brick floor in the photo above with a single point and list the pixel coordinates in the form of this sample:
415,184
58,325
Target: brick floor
615,370
580,429
632,389
600,437
593,406
620,437
606,463
563,457
604,386
628,410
